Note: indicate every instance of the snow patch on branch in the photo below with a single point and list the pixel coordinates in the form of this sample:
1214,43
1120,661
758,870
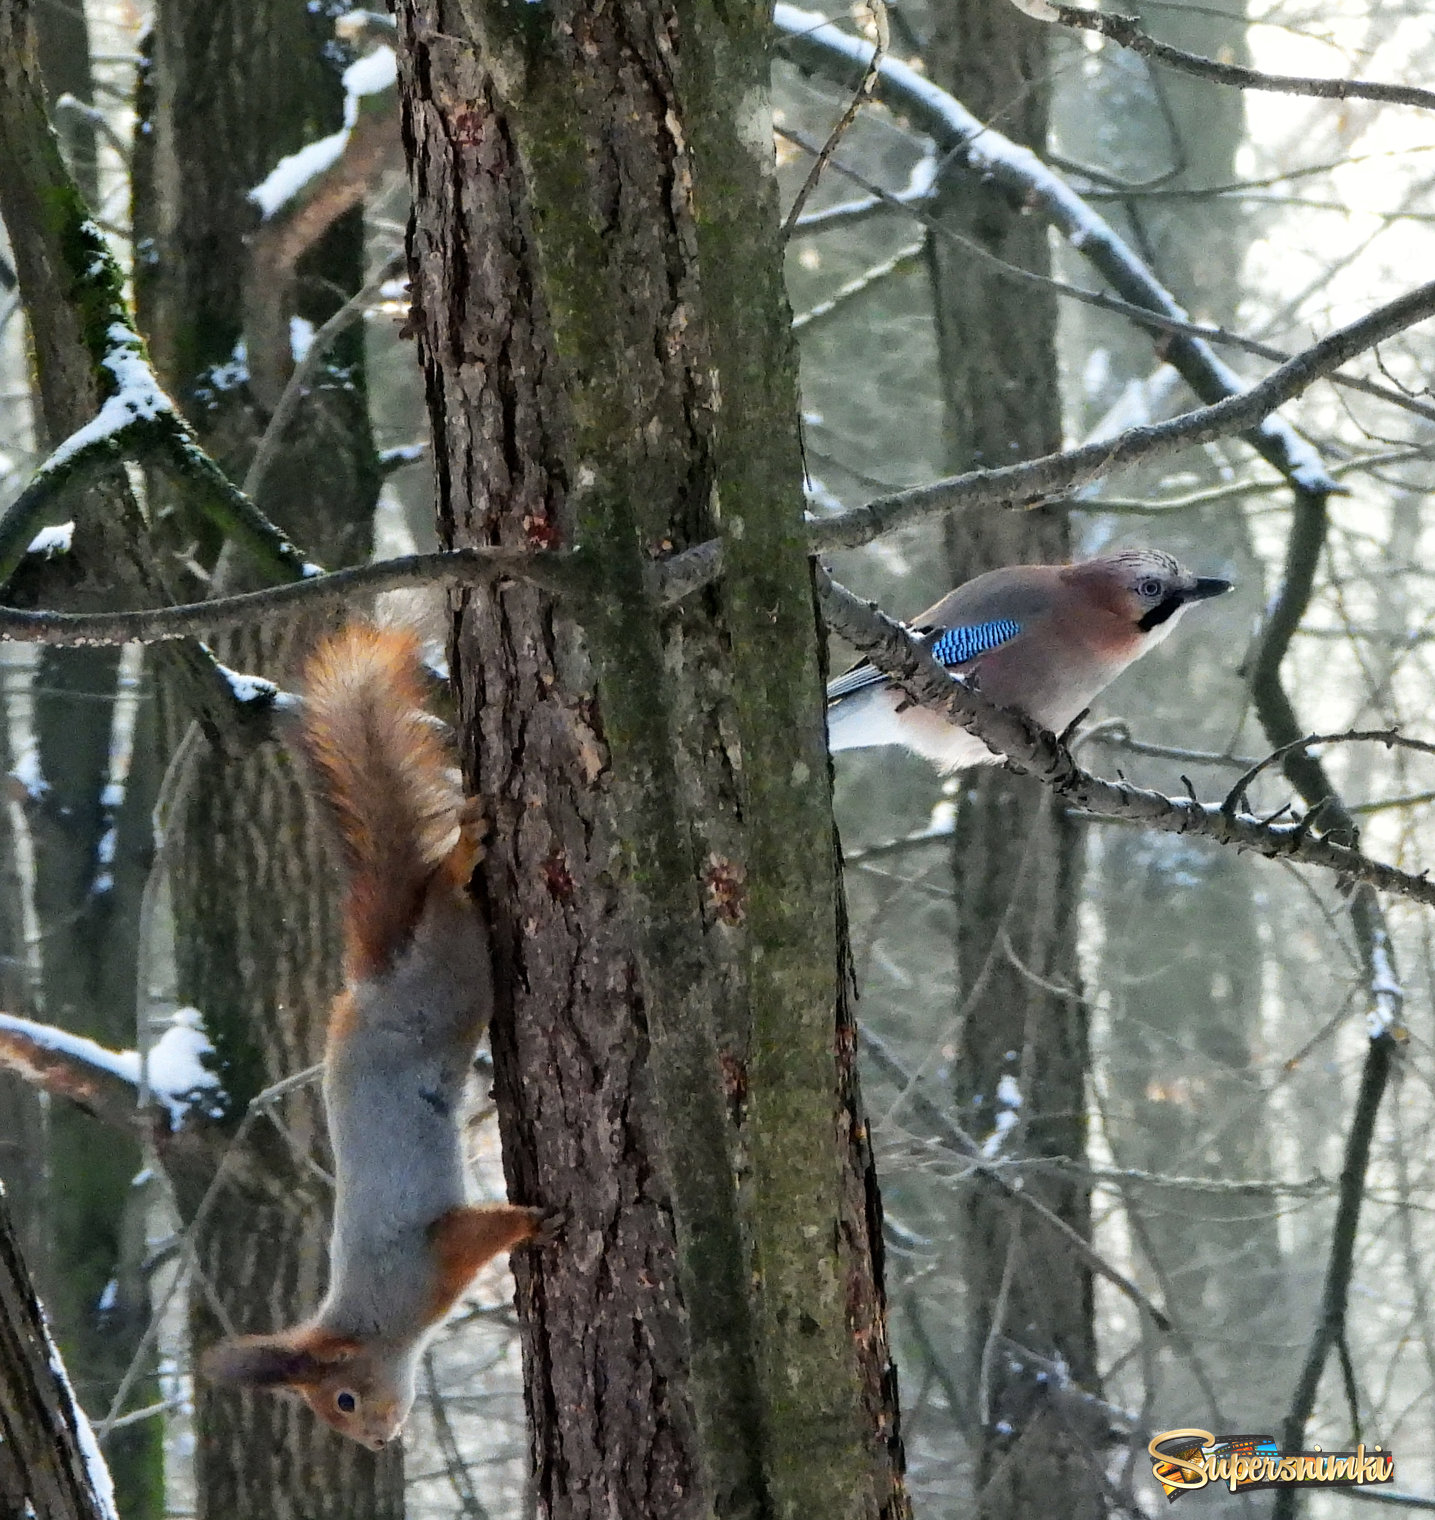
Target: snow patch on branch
26,771
289,176
248,689
370,75
301,338
178,1077
53,540
137,398
1007,1114
1385,1017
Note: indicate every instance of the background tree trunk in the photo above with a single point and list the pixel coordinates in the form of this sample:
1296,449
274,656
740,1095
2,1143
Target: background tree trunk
232,88
1016,859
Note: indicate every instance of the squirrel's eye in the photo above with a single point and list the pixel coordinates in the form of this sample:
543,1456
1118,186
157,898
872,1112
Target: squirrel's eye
347,1402
1150,589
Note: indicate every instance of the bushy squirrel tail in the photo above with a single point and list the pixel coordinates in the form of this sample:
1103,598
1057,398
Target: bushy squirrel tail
386,776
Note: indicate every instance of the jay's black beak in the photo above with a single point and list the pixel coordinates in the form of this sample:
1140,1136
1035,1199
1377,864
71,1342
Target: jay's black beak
1206,586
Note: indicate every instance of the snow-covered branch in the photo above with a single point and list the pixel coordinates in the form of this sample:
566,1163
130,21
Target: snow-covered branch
137,421
303,195
107,1083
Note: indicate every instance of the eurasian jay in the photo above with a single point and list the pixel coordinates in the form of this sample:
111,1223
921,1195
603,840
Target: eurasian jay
1041,638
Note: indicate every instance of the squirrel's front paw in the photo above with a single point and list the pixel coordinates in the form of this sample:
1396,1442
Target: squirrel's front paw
468,849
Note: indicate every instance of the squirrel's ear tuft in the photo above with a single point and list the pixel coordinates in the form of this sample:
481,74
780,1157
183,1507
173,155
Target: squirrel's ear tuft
270,1361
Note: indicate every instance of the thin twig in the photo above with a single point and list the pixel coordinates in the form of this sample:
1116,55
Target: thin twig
1391,738
470,1506
188,1248
955,1138
1128,33
351,311
855,286
859,98
1003,167
1152,321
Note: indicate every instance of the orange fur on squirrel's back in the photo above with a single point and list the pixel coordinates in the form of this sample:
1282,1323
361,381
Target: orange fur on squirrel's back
386,777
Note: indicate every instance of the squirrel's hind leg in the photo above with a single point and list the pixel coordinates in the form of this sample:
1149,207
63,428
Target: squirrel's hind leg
469,1237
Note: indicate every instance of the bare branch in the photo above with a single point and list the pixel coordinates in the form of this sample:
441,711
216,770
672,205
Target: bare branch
1127,31
859,96
559,572
973,147
1007,732
683,573
1037,479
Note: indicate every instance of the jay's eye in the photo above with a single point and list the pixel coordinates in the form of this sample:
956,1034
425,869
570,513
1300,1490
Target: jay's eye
346,1402
1150,589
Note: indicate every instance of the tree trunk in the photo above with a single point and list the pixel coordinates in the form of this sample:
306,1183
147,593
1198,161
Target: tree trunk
595,263
44,1444
1016,858
89,908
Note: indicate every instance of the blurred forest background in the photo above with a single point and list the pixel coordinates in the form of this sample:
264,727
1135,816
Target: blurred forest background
1161,1041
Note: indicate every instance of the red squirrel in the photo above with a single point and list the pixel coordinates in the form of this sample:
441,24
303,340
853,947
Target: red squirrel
401,1039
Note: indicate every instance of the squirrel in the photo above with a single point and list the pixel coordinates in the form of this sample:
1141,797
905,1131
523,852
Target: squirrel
401,1040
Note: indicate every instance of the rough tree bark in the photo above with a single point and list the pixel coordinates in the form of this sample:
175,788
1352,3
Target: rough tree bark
43,1467
604,337
1015,858
229,90
88,905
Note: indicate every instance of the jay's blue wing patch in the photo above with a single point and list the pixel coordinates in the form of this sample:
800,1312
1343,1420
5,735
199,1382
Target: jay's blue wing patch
955,646
952,646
